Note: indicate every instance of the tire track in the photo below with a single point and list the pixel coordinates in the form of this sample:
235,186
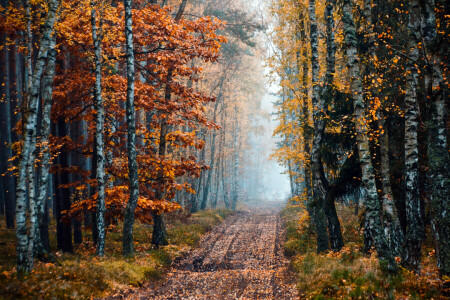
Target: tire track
240,259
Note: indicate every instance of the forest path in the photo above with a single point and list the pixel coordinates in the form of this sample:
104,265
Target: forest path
242,258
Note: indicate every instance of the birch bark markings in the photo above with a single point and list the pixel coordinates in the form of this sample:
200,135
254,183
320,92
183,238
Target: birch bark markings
131,134
305,112
40,250
391,222
334,227
414,222
29,143
319,190
99,126
439,160
372,203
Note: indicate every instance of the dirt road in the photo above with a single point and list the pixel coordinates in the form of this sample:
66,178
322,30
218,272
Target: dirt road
240,259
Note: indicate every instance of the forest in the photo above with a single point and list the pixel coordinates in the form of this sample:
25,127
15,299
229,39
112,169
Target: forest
224,149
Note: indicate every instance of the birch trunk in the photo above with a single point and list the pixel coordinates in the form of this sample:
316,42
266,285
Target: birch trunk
319,187
99,125
392,228
40,249
127,246
373,209
414,222
439,160
305,115
334,227
29,143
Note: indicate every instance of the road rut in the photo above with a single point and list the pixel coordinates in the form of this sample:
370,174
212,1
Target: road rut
240,259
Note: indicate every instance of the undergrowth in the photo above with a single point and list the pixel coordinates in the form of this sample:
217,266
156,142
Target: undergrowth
82,275
350,274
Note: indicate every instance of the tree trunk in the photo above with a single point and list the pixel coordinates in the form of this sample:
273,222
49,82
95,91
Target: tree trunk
63,225
29,143
414,221
99,125
307,132
40,248
131,133
212,157
6,141
372,203
235,184
159,236
439,160
392,228
334,227
319,186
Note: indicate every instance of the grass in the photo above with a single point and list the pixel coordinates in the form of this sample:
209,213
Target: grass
349,274
82,275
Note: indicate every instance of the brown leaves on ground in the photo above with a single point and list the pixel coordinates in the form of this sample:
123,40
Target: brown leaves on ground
240,259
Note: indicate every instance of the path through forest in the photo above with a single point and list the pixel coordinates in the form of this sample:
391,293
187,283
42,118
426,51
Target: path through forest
240,259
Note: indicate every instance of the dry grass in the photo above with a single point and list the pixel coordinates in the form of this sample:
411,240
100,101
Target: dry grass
349,274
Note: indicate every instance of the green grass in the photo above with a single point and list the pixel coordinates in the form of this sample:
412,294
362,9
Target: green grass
82,275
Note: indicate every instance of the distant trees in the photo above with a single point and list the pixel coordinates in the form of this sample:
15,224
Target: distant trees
367,134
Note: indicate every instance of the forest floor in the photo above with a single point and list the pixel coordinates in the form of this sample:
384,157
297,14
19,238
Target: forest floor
242,258
349,273
83,275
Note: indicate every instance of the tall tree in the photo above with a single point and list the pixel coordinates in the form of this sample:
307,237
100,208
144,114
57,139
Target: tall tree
414,222
24,263
131,134
372,203
159,235
99,127
392,228
318,176
6,139
41,249
334,227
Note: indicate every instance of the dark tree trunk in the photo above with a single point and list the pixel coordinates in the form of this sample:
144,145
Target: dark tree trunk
320,187
45,238
7,178
439,160
63,225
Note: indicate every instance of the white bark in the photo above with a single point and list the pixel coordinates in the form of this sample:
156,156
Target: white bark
29,145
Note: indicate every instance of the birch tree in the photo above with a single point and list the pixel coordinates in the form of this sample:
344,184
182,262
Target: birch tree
25,242
99,127
414,222
372,203
131,134
319,188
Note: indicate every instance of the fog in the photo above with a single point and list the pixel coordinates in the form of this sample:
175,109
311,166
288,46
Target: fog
264,178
